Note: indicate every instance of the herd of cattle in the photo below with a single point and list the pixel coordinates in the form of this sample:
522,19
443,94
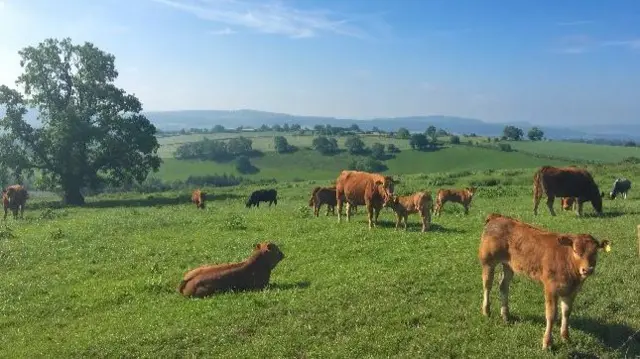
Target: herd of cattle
560,261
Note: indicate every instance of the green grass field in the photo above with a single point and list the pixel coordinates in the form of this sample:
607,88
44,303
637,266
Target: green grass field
308,164
579,151
100,281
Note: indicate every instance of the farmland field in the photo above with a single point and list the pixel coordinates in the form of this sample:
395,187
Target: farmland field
100,281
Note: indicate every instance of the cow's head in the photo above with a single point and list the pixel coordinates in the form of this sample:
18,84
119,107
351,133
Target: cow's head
270,252
385,188
470,191
567,202
596,202
584,252
391,201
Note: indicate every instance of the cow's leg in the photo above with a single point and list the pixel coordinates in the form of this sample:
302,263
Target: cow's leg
550,201
624,195
488,271
275,201
5,212
348,211
507,276
377,213
550,304
537,196
466,208
316,209
566,304
579,207
425,220
398,220
370,214
405,217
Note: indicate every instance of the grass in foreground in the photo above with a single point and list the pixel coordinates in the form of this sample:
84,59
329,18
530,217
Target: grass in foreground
100,282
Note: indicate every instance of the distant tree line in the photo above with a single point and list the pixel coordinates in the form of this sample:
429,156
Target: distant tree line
603,141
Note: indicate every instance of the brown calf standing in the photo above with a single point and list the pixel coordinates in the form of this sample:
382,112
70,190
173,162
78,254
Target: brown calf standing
419,202
462,196
199,197
14,197
568,203
560,261
323,195
252,273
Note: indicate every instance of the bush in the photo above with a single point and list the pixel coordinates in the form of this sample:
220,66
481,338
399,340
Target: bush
244,166
391,148
367,164
505,147
455,140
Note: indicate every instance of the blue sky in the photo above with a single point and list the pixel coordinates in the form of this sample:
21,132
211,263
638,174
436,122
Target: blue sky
540,61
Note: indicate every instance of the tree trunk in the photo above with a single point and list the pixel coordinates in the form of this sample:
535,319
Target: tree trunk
72,196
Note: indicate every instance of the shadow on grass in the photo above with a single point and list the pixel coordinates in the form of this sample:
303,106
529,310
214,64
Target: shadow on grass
609,214
286,286
415,226
149,201
614,336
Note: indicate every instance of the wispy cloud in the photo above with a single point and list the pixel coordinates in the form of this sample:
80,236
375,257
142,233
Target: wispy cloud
633,44
580,44
222,32
574,44
271,17
575,23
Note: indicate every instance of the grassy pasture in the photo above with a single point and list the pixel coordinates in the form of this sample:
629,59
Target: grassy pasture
307,164
100,281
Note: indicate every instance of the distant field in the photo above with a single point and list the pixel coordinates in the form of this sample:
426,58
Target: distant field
263,141
309,164
580,151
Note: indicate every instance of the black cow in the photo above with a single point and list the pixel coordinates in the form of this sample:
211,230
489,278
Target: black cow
263,195
621,185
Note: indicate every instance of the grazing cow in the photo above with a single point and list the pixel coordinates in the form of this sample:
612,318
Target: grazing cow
263,195
323,195
566,182
14,197
568,203
251,274
462,196
620,185
363,188
199,197
403,206
560,261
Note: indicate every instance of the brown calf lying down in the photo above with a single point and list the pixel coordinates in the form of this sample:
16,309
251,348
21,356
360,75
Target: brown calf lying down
560,261
199,197
14,197
252,273
462,196
419,202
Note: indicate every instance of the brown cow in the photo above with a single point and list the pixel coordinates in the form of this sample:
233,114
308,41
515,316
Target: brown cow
252,273
14,197
419,202
363,188
325,195
566,182
199,197
560,261
462,196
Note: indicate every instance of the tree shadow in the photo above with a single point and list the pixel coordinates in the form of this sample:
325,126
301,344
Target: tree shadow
151,201
287,286
609,214
611,335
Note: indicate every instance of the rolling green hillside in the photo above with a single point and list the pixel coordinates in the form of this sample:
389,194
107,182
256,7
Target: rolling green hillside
579,151
309,164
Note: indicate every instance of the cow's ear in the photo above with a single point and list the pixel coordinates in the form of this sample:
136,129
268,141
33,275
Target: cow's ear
378,183
565,241
256,246
605,245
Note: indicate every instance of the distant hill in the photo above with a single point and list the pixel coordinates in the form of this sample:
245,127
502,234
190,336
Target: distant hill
176,120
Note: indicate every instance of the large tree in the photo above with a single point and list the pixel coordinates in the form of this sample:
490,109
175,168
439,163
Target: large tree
91,132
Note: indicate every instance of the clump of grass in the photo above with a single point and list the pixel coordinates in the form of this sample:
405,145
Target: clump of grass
234,222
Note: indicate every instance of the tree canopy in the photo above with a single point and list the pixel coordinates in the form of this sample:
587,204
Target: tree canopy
512,133
92,132
535,134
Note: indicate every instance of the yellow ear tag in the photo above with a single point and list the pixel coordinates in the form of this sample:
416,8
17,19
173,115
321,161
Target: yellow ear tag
607,248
